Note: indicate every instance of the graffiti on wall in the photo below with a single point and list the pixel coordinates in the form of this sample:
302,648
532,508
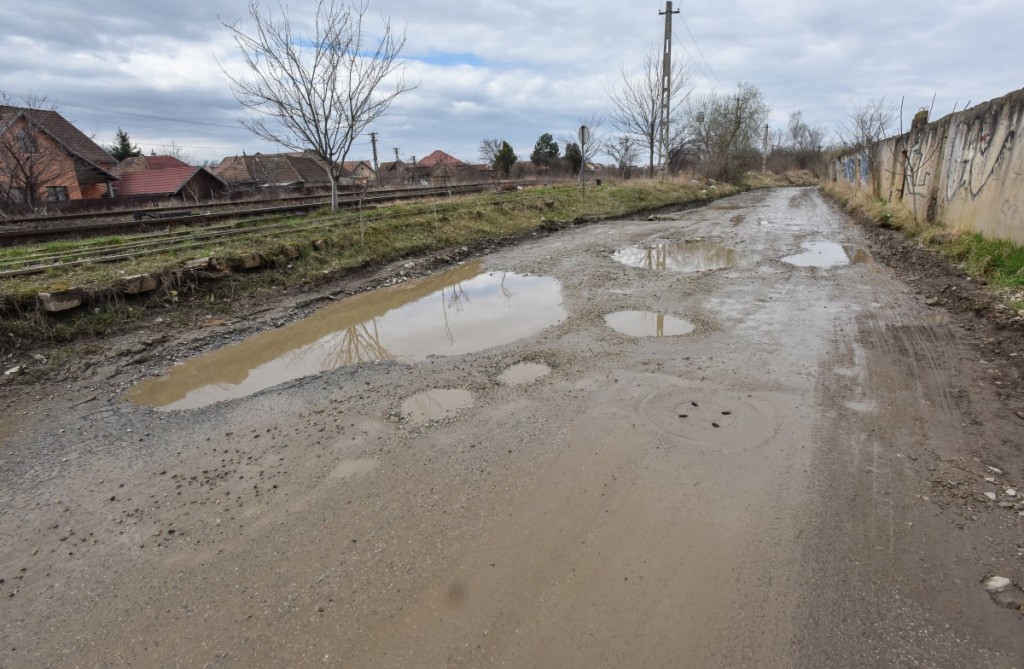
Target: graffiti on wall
855,167
977,152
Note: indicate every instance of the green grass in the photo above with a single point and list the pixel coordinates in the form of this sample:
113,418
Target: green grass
999,262
387,233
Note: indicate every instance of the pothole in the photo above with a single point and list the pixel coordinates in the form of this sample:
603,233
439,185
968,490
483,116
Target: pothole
456,312
828,254
436,404
679,256
647,324
524,373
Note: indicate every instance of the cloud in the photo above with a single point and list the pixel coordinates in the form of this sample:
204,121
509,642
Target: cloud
510,70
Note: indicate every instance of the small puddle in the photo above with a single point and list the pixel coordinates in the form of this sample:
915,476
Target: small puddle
679,256
524,373
828,254
436,404
456,312
647,324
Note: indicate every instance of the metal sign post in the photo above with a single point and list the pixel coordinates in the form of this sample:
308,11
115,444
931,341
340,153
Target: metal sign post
584,138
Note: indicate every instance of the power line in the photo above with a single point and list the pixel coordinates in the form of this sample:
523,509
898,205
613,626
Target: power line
105,110
697,46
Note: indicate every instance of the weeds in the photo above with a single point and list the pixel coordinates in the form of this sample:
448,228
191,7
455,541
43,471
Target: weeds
999,262
344,241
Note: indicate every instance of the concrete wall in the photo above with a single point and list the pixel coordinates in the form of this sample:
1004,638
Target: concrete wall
964,171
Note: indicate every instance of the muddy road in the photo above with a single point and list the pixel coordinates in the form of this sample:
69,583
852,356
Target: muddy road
722,438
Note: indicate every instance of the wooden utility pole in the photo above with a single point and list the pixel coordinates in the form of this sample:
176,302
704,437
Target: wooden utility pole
666,90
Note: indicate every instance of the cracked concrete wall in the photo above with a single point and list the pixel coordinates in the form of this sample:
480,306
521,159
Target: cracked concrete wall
964,171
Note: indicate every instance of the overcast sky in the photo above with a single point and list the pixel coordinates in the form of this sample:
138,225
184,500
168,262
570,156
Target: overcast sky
510,70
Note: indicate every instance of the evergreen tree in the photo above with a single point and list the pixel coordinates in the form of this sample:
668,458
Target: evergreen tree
505,160
545,151
122,147
574,157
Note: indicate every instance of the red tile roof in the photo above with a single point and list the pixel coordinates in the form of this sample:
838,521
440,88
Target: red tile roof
138,163
439,157
168,181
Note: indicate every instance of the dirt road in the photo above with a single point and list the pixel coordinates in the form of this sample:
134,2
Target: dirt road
793,475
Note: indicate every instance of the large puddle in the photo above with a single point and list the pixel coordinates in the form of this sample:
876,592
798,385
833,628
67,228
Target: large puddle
828,254
648,324
679,256
456,312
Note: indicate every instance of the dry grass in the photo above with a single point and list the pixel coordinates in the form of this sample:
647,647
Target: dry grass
381,235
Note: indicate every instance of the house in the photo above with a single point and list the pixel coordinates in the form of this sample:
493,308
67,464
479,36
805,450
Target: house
443,168
44,158
359,169
274,170
165,176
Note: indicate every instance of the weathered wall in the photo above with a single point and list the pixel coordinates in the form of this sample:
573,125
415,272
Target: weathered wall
964,171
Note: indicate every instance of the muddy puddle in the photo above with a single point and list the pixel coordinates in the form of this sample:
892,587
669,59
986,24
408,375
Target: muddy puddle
828,254
647,324
460,311
524,373
436,404
679,256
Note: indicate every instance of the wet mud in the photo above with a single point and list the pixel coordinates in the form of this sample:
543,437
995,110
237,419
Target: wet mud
798,481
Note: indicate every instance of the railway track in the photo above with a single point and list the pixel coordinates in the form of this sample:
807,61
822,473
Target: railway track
31,230
194,236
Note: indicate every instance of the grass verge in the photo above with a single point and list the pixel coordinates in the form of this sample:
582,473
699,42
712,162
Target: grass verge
999,262
344,242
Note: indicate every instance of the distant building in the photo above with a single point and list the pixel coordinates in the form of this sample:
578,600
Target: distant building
165,176
43,158
275,170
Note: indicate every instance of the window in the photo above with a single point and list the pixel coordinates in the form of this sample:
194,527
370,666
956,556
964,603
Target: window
26,141
56,193
19,195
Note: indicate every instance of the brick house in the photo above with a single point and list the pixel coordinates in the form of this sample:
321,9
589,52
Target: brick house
165,176
43,158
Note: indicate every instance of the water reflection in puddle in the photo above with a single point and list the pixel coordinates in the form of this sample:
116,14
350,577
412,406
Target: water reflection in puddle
524,373
828,254
436,404
647,324
679,256
456,312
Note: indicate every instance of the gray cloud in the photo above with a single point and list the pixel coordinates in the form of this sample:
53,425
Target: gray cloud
511,71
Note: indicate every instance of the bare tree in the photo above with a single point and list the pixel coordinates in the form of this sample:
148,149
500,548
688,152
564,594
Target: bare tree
635,105
624,150
175,150
33,168
317,92
727,130
867,124
489,149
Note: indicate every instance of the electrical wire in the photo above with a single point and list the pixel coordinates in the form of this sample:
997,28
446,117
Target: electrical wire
712,70
104,110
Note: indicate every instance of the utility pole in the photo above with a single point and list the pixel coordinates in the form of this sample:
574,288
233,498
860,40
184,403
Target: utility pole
398,170
376,167
666,89
764,152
